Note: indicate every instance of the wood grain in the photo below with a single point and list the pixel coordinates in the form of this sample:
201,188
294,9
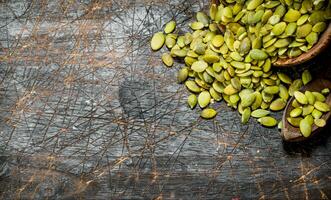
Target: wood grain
88,111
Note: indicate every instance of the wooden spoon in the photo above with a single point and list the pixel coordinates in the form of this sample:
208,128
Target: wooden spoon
292,134
322,44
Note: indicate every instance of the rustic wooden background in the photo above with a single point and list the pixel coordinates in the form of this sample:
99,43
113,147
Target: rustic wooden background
87,111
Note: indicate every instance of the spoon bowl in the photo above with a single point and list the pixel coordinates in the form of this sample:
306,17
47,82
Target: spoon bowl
290,133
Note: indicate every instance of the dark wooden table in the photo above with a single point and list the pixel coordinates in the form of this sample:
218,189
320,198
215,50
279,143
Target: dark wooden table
89,112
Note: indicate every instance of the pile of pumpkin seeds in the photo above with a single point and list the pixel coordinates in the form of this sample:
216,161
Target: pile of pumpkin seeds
228,56
308,109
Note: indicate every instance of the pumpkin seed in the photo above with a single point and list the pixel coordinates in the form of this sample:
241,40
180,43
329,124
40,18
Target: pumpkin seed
199,66
304,30
208,113
284,78
260,113
192,101
307,110
170,27
310,97
319,122
258,54
319,27
167,59
204,99
316,114
325,91
278,104
182,75
218,41
215,95
279,28
294,121
292,15
306,77
280,125
157,41
267,121
247,99
196,25
319,96
296,112
283,92
230,90
192,86
271,89
300,97
245,115
305,128
323,107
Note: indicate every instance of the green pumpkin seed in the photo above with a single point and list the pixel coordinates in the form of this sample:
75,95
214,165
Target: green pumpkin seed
157,41
203,18
247,99
230,90
316,114
274,19
170,42
319,96
204,99
278,104
296,112
304,30
319,27
302,20
182,75
258,101
260,113
267,121
295,104
325,91
209,58
319,122
213,11
218,41
312,38
307,110
192,86
306,77
296,85
170,27
253,4
323,107
283,92
215,95
305,128
167,59
290,29
218,86
192,101
300,97
271,89
294,121
199,66
279,28
196,25
282,42
310,97
292,15
245,115
208,113
258,54
284,78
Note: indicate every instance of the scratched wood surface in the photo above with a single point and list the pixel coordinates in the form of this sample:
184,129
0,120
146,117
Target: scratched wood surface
87,111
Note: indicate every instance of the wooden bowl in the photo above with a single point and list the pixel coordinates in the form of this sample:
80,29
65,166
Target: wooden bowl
322,44
290,133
